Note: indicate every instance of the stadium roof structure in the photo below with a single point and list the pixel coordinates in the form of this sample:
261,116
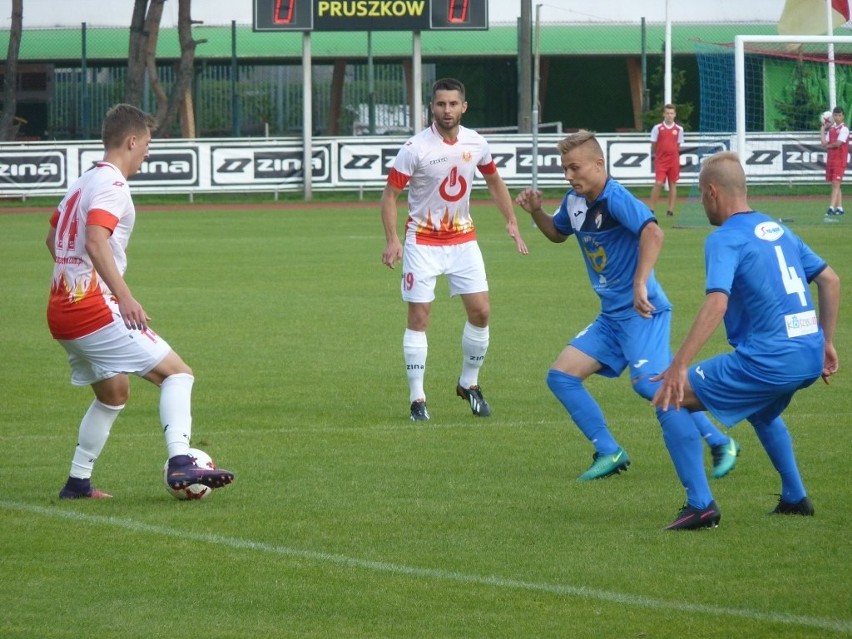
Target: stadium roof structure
108,44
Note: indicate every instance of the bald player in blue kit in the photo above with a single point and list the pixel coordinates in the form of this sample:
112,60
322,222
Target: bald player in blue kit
758,276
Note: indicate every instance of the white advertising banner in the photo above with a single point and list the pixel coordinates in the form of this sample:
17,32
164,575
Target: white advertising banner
356,163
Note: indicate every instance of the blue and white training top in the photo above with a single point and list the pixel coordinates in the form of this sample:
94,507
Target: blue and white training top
765,269
608,231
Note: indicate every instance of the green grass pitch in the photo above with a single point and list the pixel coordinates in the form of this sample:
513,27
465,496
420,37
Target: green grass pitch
348,520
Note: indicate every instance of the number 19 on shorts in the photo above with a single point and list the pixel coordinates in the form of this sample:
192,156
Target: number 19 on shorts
407,281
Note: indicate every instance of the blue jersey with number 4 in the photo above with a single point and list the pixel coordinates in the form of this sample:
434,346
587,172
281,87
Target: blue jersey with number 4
765,269
608,231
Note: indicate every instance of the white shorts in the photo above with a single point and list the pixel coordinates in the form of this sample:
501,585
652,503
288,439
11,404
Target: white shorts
113,350
423,263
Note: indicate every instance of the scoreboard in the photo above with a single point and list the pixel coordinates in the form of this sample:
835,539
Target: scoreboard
369,15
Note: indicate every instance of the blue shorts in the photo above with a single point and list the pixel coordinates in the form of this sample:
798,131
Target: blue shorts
642,344
731,390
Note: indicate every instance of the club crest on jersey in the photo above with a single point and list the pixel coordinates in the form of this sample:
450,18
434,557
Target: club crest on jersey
467,156
456,183
768,231
598,220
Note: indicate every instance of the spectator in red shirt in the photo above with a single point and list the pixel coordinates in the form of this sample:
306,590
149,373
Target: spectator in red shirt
666,138
835,139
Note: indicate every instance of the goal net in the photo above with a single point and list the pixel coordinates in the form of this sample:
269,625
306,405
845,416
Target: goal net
764,97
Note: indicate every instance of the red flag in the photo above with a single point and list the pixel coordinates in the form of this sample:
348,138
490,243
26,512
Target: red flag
807,17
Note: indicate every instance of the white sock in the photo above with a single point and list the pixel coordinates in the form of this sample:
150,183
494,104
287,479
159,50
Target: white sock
415,348
176,412
474,346
94,431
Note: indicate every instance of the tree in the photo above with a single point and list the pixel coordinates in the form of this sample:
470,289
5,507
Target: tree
140,31
168,110
142,59
10,71
798,106
655,112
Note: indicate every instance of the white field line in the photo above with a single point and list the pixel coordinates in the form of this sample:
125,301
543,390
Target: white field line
393,426
564,590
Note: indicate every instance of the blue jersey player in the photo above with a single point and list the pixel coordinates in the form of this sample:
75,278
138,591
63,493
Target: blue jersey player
620,241
758,274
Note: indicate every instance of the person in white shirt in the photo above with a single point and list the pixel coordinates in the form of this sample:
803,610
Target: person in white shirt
94,316
438,165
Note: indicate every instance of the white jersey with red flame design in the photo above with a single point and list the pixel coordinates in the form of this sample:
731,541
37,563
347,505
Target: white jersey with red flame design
439,176
80,303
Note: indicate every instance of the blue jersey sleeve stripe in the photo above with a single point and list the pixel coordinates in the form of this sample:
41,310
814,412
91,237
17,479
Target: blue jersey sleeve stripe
816,273
646,223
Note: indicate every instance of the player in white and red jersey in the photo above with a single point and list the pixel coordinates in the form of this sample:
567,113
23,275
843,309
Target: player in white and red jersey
835,139
439,165
80,301
666,140
93,315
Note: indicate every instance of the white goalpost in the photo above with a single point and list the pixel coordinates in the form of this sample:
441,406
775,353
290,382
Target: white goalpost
763,97
741,42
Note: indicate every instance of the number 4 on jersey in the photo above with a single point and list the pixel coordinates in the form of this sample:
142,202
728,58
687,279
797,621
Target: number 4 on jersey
793,284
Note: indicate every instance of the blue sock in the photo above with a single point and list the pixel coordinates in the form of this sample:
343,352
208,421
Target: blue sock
687,453
583,409
712,435
779,446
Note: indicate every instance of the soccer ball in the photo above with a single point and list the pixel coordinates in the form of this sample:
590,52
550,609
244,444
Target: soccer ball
827,118
193,491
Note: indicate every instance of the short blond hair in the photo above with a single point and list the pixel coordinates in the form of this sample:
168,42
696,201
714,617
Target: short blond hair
578,139
724,170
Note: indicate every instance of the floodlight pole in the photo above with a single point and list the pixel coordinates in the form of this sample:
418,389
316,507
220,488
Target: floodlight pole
416,82
307,119
739,88
535,101
84,76
668,65
371,87
646,98
235,99
832,85
525,50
